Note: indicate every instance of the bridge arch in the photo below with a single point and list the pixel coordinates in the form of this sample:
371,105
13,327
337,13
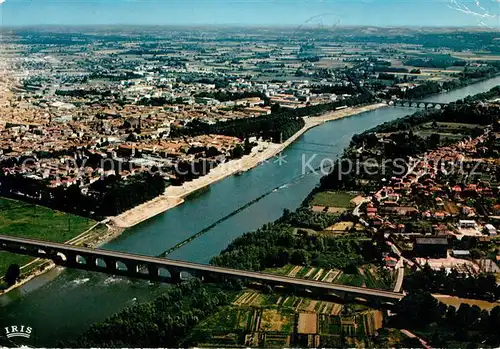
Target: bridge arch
361,299
421,105
414,105
164,273
183,276
121,266
338,295
142,269
79,259
101,263
61,257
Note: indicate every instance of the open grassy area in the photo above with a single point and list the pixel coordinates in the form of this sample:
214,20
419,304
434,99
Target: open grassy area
228,318
284,270
21,219
450,126
373,280
274,320
27,220
445,136
351,280
333,199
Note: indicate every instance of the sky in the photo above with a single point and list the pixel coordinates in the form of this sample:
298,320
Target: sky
385,13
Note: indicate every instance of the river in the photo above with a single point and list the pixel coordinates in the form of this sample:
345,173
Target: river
62,303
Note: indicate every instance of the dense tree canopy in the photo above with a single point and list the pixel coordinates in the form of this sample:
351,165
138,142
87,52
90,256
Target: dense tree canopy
279,126
163,322
277,244
446,326
483,286
106,197
12,274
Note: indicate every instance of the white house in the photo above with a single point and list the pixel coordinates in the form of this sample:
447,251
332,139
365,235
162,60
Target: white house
466,224
490,230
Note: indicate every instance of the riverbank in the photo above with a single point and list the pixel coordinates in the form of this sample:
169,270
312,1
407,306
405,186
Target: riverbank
96,297
175,196
96,236
457,301
264,151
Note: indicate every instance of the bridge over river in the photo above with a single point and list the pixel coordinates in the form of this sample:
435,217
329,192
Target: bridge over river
172,271
417,104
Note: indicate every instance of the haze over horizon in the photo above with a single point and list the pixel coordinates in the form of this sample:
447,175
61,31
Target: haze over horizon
321,13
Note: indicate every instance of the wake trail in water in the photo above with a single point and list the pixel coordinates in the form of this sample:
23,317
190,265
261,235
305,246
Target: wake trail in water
115,280
80,281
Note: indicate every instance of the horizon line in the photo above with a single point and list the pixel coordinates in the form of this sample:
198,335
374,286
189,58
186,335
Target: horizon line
253,26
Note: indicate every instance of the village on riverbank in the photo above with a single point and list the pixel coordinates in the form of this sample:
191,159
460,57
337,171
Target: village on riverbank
427,228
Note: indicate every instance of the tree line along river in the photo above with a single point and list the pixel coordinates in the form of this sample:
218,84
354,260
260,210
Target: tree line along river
63,303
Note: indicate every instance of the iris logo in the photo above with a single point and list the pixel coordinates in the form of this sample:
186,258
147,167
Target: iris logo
18,331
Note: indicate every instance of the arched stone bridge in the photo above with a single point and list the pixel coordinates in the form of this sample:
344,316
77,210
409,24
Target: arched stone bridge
418,104
166,270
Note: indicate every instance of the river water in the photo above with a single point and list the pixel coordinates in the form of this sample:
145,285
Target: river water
62,303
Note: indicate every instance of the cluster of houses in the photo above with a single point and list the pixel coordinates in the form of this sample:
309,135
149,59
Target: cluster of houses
429,207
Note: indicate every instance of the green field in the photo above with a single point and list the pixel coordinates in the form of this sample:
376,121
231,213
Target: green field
228,319
333,199
21,219
450,131
454,126
373,280
284,270
351,280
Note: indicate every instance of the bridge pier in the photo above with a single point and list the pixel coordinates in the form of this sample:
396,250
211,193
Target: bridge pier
90,262
110,265
205,276
132,268
154,273
71,260
363,299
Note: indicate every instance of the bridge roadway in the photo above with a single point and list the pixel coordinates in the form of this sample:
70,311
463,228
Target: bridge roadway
72,257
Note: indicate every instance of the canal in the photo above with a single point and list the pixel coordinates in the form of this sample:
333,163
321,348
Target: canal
62,303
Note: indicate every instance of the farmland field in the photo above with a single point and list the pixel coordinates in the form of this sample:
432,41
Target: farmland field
333,199
275,321
284,321
307,323
447,130
329,324
228,318
341,226
351,280
443,135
